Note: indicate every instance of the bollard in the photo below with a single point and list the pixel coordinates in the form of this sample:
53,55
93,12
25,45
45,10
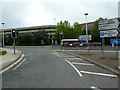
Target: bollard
119,60
112,45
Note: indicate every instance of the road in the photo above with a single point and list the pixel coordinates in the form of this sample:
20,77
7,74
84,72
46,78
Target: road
44,68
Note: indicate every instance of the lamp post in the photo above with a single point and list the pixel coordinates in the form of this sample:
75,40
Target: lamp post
86,28
3,44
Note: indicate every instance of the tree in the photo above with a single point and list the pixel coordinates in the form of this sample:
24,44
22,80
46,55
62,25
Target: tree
77,29
25,39
41,35
69,32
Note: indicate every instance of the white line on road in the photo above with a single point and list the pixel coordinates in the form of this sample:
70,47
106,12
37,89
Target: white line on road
57,54
95,88
75,58
82,63
101,74
74,68
19,64
12,64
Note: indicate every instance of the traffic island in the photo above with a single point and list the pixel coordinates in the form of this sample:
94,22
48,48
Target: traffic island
108,62
9,58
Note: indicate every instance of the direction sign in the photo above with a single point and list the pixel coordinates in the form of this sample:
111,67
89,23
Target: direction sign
110,33
115,41
109,24
85,37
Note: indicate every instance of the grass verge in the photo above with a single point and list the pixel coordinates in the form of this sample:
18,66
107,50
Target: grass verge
3,52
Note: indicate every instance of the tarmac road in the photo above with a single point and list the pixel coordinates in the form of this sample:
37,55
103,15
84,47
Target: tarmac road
43,68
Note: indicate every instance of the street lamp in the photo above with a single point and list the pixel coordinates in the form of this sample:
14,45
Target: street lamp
86,28
3,33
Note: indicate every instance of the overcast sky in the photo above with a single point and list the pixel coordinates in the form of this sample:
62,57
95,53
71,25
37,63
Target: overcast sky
24,13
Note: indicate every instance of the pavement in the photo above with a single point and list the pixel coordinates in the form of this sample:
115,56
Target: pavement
9,58
106,60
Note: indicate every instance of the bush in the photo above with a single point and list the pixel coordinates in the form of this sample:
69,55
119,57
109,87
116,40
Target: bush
3,52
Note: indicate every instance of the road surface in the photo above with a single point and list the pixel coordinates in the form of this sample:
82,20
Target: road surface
44,68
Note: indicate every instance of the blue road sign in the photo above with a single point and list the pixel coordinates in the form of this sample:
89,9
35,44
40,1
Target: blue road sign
102,34
115,41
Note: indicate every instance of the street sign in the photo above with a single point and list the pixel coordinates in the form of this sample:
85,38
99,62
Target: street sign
42,41
109,24
115,41
110,33
85,37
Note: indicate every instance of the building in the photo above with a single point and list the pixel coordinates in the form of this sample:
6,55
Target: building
50,29
89,25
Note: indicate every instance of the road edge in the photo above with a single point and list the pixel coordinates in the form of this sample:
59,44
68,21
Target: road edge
13,63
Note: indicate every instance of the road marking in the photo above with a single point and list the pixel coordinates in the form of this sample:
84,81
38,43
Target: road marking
75,58
57,54
95,88
19,64
82,63
74,68
101,74
12,64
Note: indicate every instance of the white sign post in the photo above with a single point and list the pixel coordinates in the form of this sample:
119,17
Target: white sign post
109,33
85,37
110,28
109,24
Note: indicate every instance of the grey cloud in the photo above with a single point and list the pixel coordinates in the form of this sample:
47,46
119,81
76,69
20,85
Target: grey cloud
13,14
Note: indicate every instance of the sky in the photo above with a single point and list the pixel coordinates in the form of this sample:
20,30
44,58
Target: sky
25,13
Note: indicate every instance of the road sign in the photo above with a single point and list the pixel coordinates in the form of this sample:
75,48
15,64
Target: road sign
109,24
85,37
42,41
110,33
115,41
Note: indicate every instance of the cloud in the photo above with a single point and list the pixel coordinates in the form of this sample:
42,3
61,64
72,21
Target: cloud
19,13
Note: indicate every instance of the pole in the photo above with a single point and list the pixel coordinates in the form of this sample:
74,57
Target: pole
119,60
87,33
3,33
102,48
14,44
116,49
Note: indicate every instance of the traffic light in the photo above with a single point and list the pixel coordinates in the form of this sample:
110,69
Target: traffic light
14,34
61,35
50,35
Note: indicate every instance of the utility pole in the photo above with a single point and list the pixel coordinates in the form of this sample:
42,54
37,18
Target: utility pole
3,42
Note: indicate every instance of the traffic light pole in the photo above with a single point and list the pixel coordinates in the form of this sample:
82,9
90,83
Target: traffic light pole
14,44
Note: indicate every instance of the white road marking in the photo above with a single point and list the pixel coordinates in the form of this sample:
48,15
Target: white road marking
75,58
74,68
82,63
12,64
57,54
95,88
19,64
101,74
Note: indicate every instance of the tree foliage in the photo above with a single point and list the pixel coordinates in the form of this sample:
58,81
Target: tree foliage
29,38
68,31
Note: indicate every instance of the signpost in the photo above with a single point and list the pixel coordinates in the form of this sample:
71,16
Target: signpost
109,24
110,33
85,37
115,41
110,28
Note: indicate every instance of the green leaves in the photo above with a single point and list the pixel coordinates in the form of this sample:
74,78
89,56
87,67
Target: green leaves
68,31
33,38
